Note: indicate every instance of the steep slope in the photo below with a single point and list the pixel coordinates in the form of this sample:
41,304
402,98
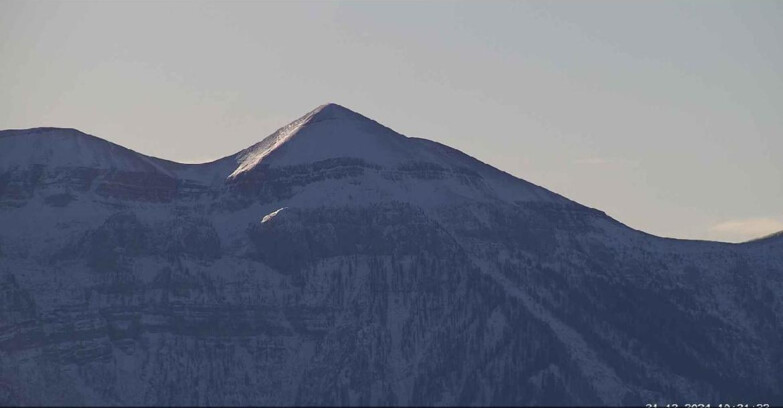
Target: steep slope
339,262
333,142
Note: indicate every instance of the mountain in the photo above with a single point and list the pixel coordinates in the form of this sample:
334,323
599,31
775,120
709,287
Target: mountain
337,262
771,238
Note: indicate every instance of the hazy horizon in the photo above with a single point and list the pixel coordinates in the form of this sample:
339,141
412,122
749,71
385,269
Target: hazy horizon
664,115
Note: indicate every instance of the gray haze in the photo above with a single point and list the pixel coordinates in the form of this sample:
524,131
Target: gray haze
666,115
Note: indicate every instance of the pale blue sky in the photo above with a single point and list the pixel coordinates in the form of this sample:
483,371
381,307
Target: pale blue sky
666,115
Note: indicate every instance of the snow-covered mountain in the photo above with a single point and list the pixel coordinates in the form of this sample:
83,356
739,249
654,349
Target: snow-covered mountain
339,262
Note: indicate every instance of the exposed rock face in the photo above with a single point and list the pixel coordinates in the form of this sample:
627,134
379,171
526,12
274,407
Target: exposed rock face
337,262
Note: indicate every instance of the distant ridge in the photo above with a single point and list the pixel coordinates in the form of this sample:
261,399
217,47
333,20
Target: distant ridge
767,238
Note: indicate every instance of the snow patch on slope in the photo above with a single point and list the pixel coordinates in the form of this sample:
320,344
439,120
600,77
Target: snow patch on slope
271,215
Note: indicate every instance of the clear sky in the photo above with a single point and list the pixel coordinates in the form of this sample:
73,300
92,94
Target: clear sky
666,115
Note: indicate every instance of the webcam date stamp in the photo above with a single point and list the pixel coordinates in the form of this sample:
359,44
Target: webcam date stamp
737,405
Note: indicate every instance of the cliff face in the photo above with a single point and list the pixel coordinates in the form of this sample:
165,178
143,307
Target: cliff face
337,262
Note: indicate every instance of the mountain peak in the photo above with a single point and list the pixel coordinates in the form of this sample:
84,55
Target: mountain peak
328,131
333,111
332,132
